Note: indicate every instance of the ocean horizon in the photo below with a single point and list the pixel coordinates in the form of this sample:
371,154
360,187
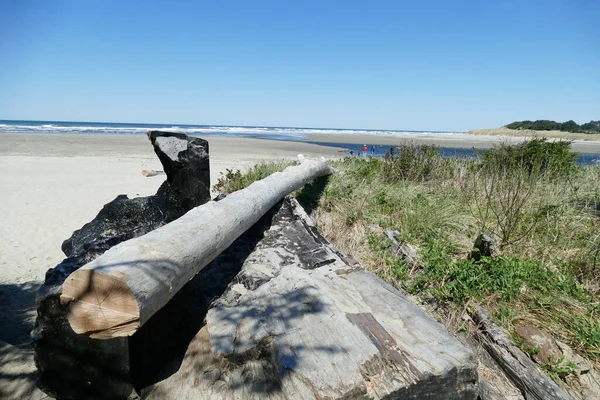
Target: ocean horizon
135,128
298,134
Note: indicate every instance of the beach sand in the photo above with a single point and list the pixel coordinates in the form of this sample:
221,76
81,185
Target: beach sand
51,185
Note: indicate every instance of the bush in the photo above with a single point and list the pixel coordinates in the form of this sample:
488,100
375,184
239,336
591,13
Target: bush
537,156
507,277
415,163
509,175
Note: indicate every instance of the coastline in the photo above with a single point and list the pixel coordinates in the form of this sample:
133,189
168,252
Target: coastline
532,133
454,140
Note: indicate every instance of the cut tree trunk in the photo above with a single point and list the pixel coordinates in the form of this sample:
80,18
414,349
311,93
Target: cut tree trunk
72,366
119,291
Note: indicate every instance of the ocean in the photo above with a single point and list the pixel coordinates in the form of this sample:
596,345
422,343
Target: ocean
260,132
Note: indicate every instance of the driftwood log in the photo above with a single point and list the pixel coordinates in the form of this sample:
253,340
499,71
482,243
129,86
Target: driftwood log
119,291
519,368
73,366
402,249
280,313
299,322
293,318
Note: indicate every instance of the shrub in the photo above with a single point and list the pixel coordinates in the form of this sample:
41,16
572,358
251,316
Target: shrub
508,177
410,162
505,276
538,157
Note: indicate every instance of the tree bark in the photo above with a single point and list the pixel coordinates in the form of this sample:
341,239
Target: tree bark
114,295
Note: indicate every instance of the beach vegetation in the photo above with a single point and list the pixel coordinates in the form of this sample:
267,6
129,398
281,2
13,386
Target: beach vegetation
234,179
540,206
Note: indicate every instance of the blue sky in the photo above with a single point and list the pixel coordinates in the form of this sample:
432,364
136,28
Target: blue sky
422,65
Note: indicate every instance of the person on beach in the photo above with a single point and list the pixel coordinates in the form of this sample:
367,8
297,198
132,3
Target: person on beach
373,149
365,148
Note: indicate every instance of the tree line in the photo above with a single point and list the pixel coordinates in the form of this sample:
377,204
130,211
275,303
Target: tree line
547,125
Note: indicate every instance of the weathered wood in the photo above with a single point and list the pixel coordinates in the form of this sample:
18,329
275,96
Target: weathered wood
300,323
119,291
488,392
523,372
402,249
73,366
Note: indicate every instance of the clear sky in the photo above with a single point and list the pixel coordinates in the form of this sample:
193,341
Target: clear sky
421,65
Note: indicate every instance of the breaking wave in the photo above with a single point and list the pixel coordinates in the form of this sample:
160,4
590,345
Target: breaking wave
139,129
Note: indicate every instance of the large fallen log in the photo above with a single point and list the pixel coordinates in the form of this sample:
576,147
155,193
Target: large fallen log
119,291
298,322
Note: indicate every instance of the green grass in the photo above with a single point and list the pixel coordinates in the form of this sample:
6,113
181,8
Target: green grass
541,207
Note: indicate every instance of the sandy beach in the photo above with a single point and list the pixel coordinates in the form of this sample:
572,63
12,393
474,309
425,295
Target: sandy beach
53,184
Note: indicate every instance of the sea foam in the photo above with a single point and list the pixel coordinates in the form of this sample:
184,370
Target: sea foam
138,129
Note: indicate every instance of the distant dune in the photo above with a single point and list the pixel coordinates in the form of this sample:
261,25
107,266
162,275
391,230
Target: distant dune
531,133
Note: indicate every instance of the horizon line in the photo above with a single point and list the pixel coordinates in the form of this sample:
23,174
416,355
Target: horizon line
236,126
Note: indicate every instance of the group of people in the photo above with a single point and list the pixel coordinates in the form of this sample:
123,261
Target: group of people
365,150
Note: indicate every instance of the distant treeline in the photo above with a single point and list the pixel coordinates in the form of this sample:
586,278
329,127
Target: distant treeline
546,125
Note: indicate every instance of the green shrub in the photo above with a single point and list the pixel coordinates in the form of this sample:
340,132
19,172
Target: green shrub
410,162
538,157
546,125
505,194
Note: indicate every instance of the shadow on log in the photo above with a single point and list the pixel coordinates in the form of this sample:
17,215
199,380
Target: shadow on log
158,348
